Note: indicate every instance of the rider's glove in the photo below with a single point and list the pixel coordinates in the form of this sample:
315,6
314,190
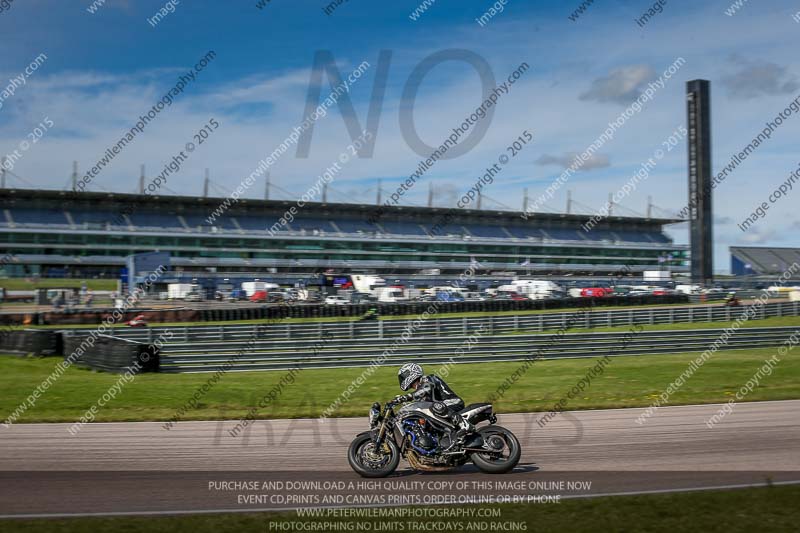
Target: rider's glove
401,398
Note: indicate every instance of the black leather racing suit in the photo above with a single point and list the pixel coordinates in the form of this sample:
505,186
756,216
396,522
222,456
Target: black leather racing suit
433,389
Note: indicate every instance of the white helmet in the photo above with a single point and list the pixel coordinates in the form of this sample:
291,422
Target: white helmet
408,374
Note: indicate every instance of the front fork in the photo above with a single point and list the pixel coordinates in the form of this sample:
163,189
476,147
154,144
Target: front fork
385,427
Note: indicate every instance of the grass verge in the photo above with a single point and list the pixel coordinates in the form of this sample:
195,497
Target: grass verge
628,381
771,509
22,284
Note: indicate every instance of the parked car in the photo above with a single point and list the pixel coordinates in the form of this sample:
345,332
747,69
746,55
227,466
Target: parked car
445,296
314,297
595,292
640,292
259,296
362,298
509,296
236,295
664,292
336,300
475,297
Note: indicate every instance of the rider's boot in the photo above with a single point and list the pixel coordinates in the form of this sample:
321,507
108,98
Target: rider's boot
464,429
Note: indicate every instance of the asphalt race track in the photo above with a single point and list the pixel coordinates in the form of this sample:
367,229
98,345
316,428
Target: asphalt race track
143,468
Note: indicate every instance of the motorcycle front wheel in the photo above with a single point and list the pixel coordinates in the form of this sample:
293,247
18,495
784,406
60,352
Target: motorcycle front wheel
505,451
369,462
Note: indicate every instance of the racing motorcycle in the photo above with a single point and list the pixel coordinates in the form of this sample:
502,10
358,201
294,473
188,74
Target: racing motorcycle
420,433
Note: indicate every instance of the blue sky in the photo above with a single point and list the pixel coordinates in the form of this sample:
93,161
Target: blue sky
104,69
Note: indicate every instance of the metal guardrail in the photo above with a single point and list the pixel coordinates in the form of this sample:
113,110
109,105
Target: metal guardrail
280,355
435,326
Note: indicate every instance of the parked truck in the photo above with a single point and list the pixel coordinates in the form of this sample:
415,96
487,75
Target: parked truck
251,287
390,294
179,291
535,289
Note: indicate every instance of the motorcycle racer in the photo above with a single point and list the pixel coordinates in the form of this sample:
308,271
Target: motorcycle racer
432,388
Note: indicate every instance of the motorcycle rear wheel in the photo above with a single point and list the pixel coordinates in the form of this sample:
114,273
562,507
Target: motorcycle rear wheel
366,463
489,462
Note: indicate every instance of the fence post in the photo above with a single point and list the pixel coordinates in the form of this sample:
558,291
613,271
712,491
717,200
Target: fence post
691,315
780,309
380,329
652,316
491,325
671,315
351,328
221,333
763,312
464,326
630,317
541,322
185,334
288,331
609,318
438,327
710,316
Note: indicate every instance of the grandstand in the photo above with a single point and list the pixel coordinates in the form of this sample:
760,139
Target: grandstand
762,261
56,233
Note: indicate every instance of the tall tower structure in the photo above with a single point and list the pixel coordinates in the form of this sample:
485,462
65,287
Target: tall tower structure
698,120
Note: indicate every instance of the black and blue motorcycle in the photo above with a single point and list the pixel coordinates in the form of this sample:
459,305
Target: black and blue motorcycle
416,433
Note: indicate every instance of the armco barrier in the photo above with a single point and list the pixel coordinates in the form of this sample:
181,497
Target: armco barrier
278,330
31,341
435,326
282,355
303,310
113,354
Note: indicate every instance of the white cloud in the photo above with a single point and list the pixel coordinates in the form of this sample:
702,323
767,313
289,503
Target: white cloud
758,77
568,158
621,86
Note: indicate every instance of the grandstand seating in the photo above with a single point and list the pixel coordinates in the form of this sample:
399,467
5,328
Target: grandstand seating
405,228
354,226
198,221
565,234
253,223
155,220
628,236
659,238
764,260
494,232
38,216
311,225
93,217
250,223
523,232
